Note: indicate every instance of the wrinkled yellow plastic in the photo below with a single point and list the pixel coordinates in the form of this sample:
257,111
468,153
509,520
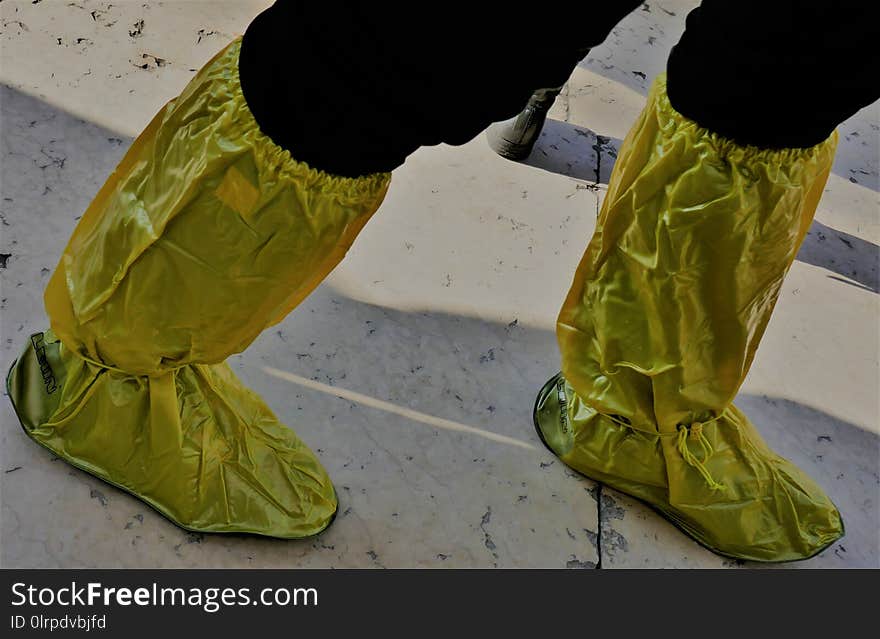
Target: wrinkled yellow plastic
206,233
661,325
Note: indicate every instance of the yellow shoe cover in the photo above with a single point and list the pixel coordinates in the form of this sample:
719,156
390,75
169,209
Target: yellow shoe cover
192,443
662,323
206,234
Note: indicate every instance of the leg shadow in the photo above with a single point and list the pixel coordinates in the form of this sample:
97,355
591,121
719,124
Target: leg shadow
574,151
852,257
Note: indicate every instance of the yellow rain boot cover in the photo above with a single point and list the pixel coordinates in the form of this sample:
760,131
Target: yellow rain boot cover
205,234
661,325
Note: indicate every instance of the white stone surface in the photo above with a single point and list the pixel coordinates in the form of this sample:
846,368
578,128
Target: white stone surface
445,305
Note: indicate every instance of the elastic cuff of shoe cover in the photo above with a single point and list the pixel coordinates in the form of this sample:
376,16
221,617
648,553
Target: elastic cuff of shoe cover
206,234
661,324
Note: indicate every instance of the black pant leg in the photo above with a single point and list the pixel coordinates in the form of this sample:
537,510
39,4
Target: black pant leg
776,73
353,88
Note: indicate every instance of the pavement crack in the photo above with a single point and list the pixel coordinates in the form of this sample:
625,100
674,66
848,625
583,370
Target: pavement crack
599,532
487,538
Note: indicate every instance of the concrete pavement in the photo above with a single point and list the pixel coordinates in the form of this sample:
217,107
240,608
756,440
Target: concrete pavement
445,306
